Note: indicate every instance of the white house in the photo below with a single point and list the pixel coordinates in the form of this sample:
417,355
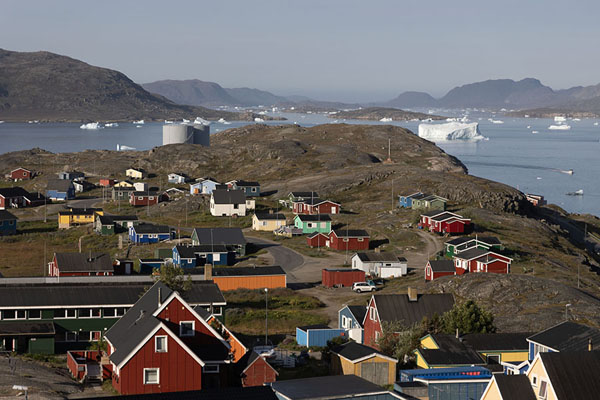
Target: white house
135,173
176,178
225,203
140,186
382,265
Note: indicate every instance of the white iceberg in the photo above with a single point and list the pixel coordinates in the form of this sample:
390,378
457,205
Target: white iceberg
111,125
201,121
223,121
595,124
535,132
496,121
186,121
385,119
451,131
139,126
258,119
559,118
122,147
559,127
91,126
140,122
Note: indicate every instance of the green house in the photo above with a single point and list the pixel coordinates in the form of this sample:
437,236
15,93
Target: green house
320,223
429,202
458,245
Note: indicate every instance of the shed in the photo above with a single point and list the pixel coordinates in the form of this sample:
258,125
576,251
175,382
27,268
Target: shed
317,240
341,277
357,359
438,268
317,335
254,370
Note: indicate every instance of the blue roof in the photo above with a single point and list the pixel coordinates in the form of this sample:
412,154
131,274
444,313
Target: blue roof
475,372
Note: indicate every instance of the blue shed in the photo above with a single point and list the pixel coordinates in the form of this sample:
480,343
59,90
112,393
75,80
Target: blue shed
406,201
446,383
317,335
8,223
149,233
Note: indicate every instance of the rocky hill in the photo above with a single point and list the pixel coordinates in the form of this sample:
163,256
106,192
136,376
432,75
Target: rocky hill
378,113
50,87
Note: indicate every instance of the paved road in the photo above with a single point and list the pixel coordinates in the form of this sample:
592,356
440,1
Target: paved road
288,259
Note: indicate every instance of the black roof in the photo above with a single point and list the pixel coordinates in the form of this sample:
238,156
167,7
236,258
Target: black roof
397,307
358,312
191,251
226,236
326,387
242,183
315,326
248,271
263,215
151,228
573,375
514,387
228,393
355,351
60,185
17,328
497,341
451,352
82,262
444,216
351,233
567,336
16,191
379,257
471,253
6,216
111,219
460,240
315,200
315,217
433,213
95,294
145,193
223,196
123,189
304,194
442,265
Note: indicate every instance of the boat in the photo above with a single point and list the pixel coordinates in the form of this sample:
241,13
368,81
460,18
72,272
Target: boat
535,132
566,171
560,127
560,118
576,193
140,122
385,119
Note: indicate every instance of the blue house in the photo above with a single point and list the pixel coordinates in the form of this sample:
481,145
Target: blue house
60,190
317,335
406,201
251,189
203,186
194,256
149,233
444,383
350,318
8,223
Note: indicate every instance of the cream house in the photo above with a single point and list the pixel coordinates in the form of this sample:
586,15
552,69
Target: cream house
267,221
135,173
228,203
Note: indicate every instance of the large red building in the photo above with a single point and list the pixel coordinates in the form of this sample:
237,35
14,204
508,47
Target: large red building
481,260
20,174
163,345
348,239
444,222
315,206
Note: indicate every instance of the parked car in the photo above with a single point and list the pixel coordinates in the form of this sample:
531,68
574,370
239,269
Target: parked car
360,287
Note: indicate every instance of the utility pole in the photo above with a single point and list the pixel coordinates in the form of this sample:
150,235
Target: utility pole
266,317
392,194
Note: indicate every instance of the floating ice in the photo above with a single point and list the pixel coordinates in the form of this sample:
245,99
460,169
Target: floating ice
528,126
222,121
139,126
559,118
201,121
111,125
451,131
559,127
595,124
385,119
535,132
258,119
121,147
140,122
91,126
168,122
496,121
186,121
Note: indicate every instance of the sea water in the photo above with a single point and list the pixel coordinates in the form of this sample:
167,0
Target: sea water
513,154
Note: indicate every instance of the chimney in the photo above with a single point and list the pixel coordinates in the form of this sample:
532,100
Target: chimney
159,296
412,294
208,272
590,345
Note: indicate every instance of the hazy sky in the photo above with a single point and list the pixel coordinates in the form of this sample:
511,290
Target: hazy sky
333,50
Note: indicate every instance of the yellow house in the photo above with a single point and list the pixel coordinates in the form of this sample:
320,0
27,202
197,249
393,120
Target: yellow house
508,387
135,173
366,362
445,351
127,184
267,221
78,216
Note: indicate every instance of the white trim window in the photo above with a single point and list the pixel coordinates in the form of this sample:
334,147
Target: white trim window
372,314
151,376
14,314
65,313
543,393
534,380
160,344
34,314
70,336
187,328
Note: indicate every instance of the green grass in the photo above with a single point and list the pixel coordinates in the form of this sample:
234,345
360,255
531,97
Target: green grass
277,299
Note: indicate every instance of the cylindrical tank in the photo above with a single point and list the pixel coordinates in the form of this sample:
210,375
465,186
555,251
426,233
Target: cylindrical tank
184,133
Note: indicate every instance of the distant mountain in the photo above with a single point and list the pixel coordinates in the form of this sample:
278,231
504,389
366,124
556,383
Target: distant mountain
412,99
255,97
51,87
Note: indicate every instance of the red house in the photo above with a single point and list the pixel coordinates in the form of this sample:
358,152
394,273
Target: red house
407,309
317,239
254,370
444,222
438,268
315,206
146,198
81,264
106,182
13,197
341,277
348,239
481,260
20,174
163,345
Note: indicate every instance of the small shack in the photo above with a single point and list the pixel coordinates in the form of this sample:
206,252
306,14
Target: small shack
357,359
341,277
317,335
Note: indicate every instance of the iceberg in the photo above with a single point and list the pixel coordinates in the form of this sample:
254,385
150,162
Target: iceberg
201,121
595,124
559,127
223,121
111,125
140,122
186,121
385,119
560,118
258,119
91,126
122,147
168,122
451,131
535,132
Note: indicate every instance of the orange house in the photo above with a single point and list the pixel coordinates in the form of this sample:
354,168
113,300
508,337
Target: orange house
232,278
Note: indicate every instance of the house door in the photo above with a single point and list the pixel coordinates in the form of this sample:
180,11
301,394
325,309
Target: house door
376,372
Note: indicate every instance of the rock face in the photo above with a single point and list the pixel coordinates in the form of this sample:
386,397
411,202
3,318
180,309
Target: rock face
450,132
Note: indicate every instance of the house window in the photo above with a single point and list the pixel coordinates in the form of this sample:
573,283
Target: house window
160,344
361,239
235,206
70,336
151,198
534,380
95,336
186,328
14,314
110,312
377,334
309,225
217,310
345,240
120,311
65,313
35,314
89,313
264,223
211,369
140,198
151,376
344,321
543,393
372,313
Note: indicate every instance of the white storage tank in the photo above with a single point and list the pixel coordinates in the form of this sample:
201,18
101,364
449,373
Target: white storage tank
186,133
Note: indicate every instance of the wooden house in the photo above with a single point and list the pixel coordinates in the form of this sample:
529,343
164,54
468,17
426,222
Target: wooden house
254,370
444,222
13,197
8,223
194,256
508,387
83,186
228,203
230,237
135,173
314,206
177,178
77,216
408,309
357,359
252,277
313,223
428,202
149,233
479,260
567,336
317,240
162,330
122,193
141,186
406,201
107,182
438,268
20,174
60,190
80,264
112,224
536,199
295,197
460,244
341,277
351,318
348,239
124,184
250,188
140,199
445,351
268,221
382,265
203,186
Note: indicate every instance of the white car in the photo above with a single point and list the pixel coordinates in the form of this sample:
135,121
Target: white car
360,287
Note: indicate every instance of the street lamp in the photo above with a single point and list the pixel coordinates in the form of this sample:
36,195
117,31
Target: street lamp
266,316
567,311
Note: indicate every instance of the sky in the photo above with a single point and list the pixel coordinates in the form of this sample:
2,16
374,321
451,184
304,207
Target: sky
326,49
